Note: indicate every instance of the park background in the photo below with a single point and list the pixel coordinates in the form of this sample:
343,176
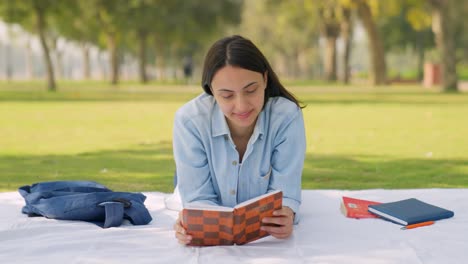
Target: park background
88,89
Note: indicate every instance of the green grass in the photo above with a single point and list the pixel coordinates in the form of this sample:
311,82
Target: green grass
357,137
462,71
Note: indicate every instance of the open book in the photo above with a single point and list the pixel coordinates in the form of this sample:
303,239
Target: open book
217,225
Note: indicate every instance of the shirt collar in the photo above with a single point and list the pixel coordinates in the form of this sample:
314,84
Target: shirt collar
219,126
259,126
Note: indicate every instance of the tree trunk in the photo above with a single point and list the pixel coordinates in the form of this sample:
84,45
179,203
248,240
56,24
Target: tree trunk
59,64
142,56
442,27
114,58
420,51
330,58
40,20
295,69
346,33
8,52
102,65
8,64
303,64
161,66
330,28
86,63
378,71
29,60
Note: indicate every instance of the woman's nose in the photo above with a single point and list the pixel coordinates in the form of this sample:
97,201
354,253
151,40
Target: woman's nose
241,103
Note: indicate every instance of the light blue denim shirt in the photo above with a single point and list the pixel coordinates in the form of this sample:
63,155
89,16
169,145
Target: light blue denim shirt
207,162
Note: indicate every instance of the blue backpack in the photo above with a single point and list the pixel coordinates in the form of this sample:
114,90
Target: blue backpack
85,201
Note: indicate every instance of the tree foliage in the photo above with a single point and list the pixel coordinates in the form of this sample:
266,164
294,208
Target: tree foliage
291,33
286,31
33,16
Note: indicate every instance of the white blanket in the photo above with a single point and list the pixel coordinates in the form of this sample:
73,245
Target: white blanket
324,235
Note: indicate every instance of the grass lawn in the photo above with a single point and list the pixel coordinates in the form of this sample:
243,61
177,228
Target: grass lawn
357,137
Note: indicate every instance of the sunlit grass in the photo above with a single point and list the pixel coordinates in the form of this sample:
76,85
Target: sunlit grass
357,137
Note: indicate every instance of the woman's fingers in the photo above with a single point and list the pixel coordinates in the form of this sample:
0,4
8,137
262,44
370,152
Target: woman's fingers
280,225
180,232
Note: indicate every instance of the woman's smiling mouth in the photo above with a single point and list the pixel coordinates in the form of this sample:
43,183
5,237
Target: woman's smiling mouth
244,115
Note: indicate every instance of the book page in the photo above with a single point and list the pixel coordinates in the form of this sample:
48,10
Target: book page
210,207
256,199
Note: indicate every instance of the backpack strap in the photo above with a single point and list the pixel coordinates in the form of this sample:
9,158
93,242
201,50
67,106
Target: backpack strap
138,214
120,208
114,213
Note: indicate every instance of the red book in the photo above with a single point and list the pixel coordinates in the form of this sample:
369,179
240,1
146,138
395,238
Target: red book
357,208
216,225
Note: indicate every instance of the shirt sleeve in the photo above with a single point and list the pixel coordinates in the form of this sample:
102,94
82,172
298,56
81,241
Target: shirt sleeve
193,172
288,161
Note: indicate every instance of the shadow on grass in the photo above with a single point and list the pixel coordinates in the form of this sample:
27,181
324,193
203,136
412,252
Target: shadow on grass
184,94
368,172
151,168
142,168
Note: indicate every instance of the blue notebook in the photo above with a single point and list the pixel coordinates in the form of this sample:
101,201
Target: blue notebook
409,211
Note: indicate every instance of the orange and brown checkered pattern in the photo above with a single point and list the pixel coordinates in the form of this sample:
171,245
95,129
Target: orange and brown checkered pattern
248,219
209,228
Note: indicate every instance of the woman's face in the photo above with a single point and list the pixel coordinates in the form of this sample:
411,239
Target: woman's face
240,95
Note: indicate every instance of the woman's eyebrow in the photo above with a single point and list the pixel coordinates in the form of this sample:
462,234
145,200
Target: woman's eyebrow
227,90
248,85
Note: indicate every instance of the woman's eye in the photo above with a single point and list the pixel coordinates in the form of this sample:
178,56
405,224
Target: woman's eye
252,90
226,96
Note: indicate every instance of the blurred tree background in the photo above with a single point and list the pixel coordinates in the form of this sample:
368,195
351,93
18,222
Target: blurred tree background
378,42
89,88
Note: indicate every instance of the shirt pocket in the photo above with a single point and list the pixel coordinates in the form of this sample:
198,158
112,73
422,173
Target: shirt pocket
266,177
259,184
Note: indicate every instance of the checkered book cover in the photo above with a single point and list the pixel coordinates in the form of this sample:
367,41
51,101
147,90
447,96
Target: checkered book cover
209,227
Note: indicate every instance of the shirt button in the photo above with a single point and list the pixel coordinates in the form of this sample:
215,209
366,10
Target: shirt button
233,192
234,163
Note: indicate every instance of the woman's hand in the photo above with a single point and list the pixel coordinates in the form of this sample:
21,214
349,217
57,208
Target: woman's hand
180,232
280,225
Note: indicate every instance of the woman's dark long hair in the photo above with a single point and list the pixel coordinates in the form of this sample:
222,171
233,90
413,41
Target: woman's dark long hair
240,52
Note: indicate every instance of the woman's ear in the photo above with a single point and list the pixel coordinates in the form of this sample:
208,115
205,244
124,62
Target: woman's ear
265,78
